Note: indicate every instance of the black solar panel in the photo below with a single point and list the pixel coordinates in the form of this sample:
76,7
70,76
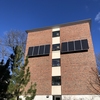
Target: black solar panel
30,51
85,44
35,53
77,45
64,47
74,46
41,50
71,46
47,49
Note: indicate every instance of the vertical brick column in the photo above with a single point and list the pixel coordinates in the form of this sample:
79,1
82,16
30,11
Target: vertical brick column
56,71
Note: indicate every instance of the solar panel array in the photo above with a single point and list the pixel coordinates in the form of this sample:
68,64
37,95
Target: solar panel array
66,47
74,46
39,50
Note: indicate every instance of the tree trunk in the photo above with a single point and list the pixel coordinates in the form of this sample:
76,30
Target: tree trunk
17,97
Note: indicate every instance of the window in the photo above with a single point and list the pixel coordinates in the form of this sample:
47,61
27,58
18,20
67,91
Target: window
57,97
55,47
56,34
56,80
55,62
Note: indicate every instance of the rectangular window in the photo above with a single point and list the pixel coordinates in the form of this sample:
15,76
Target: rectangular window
57,97
55,62
56,80
55,47
56,34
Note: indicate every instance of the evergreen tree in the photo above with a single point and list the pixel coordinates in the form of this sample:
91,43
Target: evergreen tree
20,76
4,78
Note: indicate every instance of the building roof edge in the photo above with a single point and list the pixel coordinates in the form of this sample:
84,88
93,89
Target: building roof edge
61,25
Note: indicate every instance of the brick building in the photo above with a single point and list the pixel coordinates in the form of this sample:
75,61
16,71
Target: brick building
60,60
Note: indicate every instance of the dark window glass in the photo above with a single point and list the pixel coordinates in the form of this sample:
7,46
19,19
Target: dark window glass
55,62
57,98
56,34
55,47
30,51
47,49
77,45
41,50
36,48
85,44
71,46
64,47
56,80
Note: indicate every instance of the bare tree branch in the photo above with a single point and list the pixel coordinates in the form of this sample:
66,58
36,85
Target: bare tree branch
10,40
95,84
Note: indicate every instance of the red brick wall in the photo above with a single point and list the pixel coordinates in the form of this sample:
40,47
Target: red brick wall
76,67
40,67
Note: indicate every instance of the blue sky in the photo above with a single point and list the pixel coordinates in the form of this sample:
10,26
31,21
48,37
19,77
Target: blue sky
30,14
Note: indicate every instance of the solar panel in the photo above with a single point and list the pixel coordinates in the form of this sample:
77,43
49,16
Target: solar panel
47,49
85,44
30,51
35,53
64,47
71,46
41,50
77,45
74,46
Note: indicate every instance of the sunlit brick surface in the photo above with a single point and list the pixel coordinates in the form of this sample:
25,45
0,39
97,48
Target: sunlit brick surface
75,67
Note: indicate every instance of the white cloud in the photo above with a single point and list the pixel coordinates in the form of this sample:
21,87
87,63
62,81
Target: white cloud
97,18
